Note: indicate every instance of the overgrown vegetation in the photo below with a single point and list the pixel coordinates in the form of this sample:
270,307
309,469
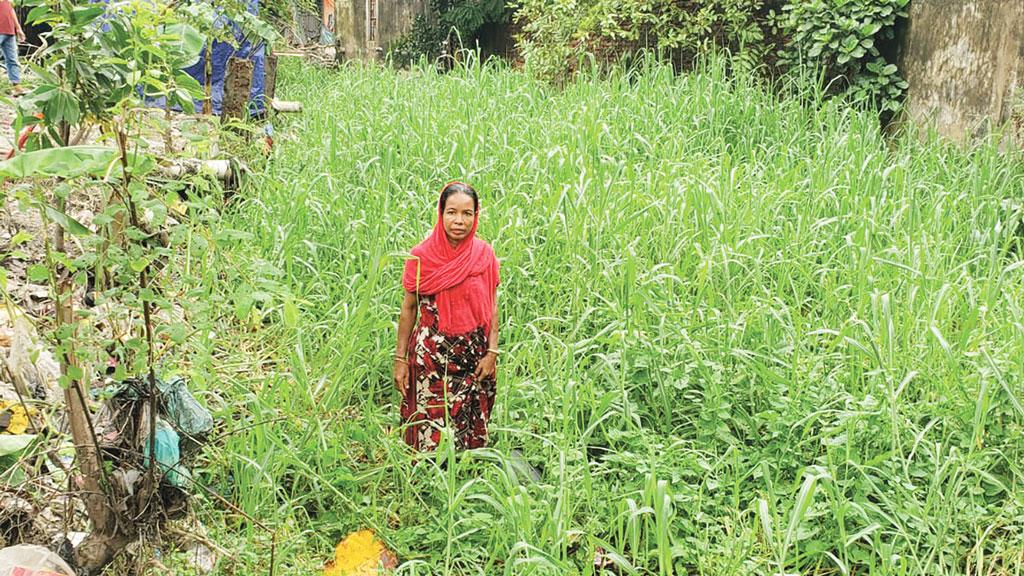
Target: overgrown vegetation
842,42
744,334
838,40
115,310
451,26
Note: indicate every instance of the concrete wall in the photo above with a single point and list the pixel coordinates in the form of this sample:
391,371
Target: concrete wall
964,62
393,18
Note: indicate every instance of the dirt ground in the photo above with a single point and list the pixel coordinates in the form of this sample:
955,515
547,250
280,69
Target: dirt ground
6,128
195,135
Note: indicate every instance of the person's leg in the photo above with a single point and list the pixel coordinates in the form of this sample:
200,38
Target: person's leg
9,47
3,50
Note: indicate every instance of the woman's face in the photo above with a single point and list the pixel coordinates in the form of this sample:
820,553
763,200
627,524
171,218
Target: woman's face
458,216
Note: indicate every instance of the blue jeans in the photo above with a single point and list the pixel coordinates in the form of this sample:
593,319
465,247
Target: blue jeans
9,48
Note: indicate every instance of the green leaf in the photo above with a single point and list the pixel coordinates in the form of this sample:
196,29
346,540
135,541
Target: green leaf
187,43
177,332
140,164
67,222
38,273
37,14
189,84
63,162
19,238
62,106
81,15
290,313
75,372
14,443
139,264
869,29
243,304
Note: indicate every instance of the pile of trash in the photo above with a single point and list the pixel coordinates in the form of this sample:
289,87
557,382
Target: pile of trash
122,425
42,519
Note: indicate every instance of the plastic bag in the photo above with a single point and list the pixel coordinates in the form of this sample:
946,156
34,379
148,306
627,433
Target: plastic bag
187,414
32,560
168,455
31,364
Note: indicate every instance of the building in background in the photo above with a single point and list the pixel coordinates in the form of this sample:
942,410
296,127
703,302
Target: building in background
365,29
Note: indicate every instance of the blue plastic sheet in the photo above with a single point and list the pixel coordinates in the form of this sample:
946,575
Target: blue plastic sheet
219,56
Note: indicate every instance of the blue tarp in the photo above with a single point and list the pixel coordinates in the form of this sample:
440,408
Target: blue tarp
222,51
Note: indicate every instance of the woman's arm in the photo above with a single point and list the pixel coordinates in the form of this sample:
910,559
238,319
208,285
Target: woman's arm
492,338
406,320
488,365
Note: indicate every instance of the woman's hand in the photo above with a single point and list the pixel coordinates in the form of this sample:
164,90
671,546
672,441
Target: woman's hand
486,367
401,375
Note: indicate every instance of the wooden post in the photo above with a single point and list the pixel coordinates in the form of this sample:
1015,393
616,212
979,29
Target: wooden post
236,89
270,77
208,78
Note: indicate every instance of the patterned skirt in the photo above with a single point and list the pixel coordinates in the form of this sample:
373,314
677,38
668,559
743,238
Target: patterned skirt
442,389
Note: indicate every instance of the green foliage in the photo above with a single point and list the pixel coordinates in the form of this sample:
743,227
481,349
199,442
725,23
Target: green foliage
742,333
99,58
607,29
422,41
842,38
689,26
100,65
65,162
459,22
467,17
549,38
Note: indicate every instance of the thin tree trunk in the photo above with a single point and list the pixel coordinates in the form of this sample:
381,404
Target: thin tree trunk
106,537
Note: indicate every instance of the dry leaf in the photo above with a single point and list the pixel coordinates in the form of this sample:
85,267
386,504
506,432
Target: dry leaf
361,554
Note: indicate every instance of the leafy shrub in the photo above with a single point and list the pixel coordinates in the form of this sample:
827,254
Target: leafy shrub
842,37
423,40
549,36
556,34
467,17
690,26
455,20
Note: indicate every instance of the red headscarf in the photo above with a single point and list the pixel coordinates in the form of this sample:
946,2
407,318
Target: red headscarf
462,278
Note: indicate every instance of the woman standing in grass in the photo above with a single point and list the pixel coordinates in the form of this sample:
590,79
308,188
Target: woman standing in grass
446,367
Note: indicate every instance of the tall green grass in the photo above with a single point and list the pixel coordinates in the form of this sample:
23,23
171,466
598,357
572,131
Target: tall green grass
744,333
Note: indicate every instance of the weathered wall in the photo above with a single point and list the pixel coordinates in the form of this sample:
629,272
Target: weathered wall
394,18
964,62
